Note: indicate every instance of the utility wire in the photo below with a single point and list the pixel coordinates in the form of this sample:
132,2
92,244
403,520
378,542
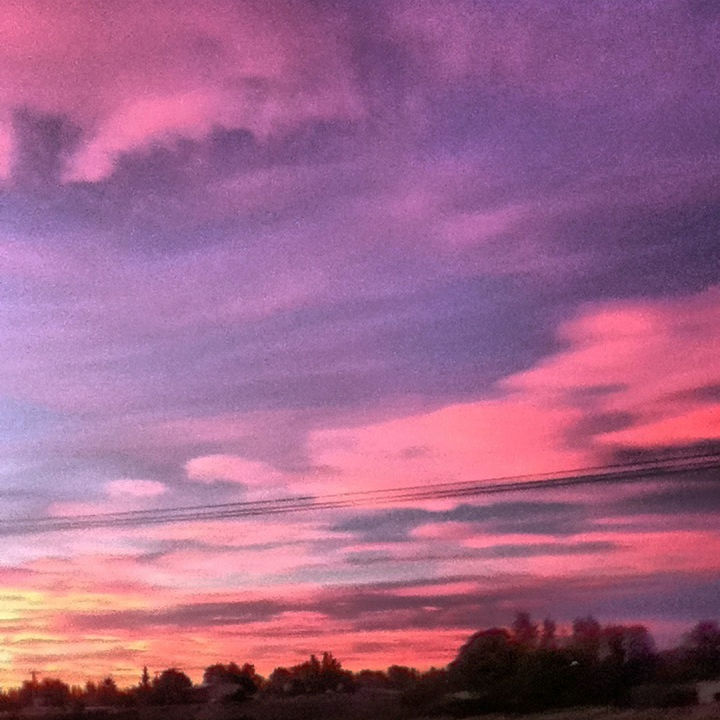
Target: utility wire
616,473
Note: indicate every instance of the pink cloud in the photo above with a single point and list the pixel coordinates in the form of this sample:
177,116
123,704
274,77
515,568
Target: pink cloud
688,426
143,122
657,357
149,72
471,441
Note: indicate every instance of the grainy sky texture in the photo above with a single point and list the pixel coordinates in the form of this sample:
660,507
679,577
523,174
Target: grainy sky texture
259,249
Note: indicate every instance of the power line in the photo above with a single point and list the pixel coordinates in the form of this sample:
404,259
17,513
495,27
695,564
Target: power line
615,473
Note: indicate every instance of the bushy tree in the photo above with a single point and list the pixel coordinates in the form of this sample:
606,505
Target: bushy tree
627,657
427,688
51,692
105,693
313,676
9,701
371,679
530,670
280,681
545,678
486,664
244,678
631,648
585,640
171,687
400,677
321,675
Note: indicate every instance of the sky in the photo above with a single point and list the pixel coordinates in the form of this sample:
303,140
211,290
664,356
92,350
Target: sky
252,250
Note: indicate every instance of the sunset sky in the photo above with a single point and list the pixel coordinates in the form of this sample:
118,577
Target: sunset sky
252,250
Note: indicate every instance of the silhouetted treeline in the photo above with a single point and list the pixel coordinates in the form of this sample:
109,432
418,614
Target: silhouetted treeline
312,676
527,667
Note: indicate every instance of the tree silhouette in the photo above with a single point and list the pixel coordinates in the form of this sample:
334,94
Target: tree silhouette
51,692
548,639
280,681
486,663
312,676
371,679
702,645
585,641
246,680
524,631
171,687
143,691
105,693
400,677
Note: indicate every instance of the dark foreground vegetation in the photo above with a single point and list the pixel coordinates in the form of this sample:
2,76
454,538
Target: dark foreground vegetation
522,669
